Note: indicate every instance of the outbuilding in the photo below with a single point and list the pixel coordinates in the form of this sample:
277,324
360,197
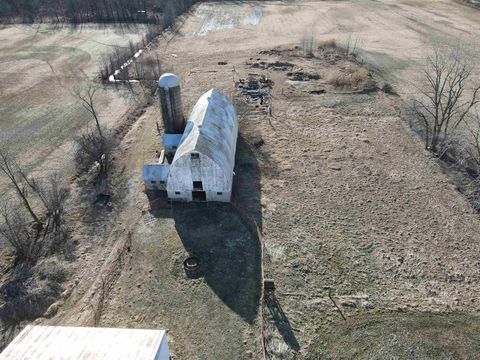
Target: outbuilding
202,168
64,343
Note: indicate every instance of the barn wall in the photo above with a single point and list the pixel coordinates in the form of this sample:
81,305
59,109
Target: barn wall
155,185
185,170
163,352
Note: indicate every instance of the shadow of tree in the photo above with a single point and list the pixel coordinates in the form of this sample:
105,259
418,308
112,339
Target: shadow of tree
281,321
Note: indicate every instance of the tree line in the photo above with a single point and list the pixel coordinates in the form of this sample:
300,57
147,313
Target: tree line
100,11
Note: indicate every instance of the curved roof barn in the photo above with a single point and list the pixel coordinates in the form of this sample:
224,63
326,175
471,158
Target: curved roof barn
211,130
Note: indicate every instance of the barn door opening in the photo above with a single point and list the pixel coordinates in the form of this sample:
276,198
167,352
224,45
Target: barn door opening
199,196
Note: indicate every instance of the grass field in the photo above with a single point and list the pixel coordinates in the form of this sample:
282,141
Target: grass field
40,65
400,336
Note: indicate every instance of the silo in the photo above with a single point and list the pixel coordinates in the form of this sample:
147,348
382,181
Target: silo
171,104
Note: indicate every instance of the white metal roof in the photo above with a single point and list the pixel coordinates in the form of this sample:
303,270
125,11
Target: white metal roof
168,80
86,343
155,172
211,130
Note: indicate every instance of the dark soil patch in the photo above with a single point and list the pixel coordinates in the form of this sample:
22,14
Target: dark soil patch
318,92
275,66
302,76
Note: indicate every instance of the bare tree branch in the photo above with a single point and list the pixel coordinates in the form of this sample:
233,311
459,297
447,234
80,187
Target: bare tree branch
446,98
10,168
87,99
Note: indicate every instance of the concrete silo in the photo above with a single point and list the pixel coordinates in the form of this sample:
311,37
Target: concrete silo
171,104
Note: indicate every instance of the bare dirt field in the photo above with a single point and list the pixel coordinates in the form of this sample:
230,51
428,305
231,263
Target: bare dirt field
373,251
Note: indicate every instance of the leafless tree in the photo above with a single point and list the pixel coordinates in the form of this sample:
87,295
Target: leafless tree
28,237
94,151
473,148
169,14
307,45
351,44
447,96
53,193
15,230
104,67
10,168
148,70
472,193
87,98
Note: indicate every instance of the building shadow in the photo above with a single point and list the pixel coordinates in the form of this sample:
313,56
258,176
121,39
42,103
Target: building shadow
224,236
246,193
281,322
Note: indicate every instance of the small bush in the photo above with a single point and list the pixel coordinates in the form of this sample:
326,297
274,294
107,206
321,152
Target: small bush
26,296
352,76
51,270
338,79
388,89
327,44
93,152
359,75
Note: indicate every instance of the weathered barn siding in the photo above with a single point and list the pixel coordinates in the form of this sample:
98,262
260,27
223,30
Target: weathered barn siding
206,152
188,170
155,176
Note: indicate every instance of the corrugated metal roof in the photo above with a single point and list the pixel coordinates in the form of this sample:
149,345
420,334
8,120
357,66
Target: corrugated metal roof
86,343
211,130
156,172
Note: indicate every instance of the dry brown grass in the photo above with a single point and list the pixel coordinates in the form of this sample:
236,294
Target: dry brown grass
352,76
327,44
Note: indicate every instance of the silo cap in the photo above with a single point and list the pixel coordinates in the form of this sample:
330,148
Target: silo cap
168,80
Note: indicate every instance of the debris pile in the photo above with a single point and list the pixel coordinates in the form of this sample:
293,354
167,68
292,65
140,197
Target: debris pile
275,52
256,88
275,66
302,76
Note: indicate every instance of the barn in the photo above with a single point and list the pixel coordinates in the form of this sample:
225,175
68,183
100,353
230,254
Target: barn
202,168
64,342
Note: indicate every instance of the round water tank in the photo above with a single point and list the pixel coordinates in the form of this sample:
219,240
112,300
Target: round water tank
171,104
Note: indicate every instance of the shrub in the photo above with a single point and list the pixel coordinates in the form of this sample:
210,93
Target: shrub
327,44
93,152
352,76
50,269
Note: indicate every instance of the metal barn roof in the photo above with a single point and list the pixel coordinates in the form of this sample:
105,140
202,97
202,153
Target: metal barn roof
155,172
211,130
86,343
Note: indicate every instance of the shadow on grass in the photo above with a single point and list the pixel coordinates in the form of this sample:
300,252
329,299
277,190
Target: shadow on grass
281,322
224,236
